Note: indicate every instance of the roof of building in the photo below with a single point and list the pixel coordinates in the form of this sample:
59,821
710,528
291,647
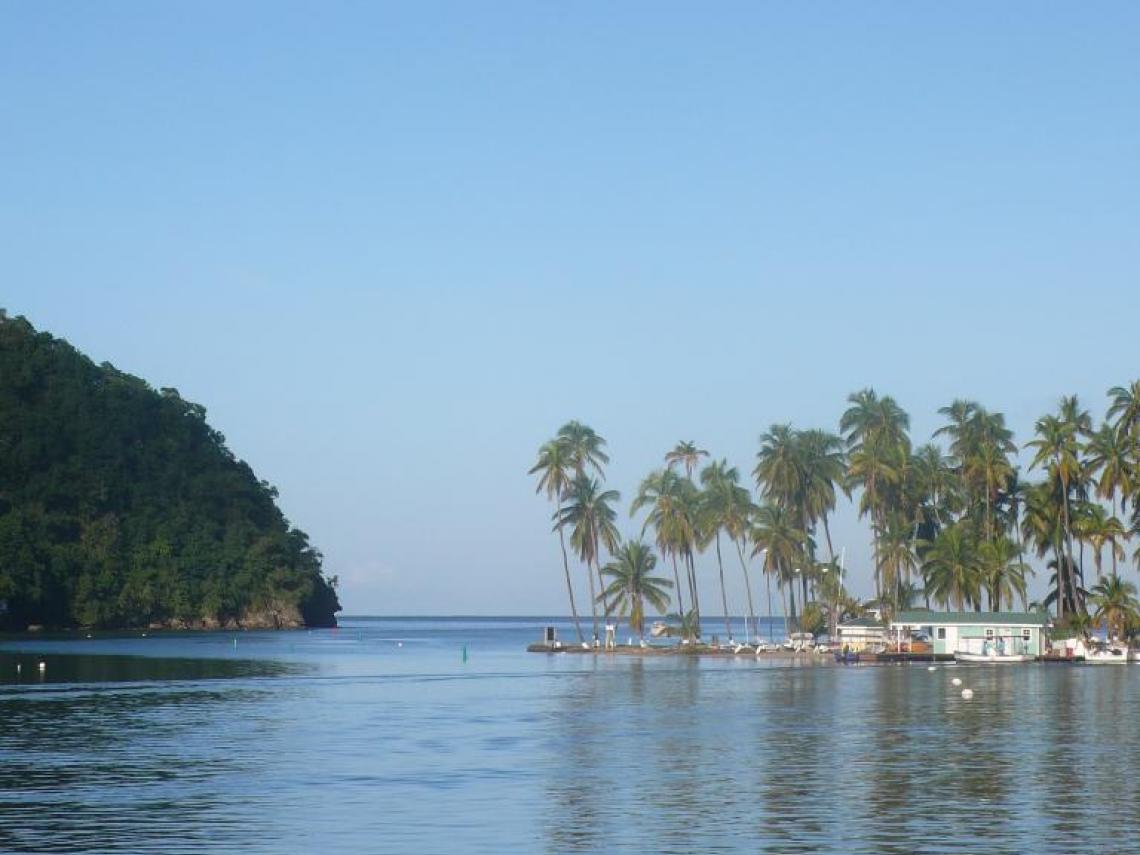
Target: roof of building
865,622
931,618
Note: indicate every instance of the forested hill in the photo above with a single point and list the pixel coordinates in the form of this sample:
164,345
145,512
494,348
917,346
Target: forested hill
121,507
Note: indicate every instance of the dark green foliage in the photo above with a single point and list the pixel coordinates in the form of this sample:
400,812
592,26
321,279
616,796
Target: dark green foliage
121,506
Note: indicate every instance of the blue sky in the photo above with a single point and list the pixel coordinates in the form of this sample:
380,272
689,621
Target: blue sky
392,247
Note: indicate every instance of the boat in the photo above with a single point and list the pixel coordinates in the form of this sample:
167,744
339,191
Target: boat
800,642
660,628
995,653
1107,654
992,657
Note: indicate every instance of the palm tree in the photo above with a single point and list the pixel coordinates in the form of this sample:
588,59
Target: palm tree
661,492
1003,572
776,533
1125,408
718,508
1109,455
687,455
1056,449
553,468
632,584
951,568
587,510
824,465
1116,605
586,448
1093,525
897,557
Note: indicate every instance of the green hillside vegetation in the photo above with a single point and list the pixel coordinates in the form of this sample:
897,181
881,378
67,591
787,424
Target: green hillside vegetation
121,507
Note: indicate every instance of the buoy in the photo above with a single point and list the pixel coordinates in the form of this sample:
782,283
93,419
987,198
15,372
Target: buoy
88,635
967,693
18,667
43,666
464,652
956,682
931,668
235,642
144,635
399,644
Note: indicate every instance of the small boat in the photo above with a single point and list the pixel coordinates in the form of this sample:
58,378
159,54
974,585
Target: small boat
992,657
1107,654
660,628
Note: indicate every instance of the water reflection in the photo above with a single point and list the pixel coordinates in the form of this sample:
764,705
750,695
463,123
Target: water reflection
684,756
359,744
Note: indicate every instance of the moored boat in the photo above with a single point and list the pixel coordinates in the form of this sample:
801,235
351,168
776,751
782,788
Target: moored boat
992,657
1107,654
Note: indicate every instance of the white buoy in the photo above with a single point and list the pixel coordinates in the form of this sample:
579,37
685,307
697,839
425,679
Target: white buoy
399,644
931,668
43,666
956,681
18,667
967,693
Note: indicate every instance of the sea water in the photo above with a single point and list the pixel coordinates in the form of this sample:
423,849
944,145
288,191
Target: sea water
380,736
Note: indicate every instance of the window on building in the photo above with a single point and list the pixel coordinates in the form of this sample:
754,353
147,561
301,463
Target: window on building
941,633
1025,634
989,633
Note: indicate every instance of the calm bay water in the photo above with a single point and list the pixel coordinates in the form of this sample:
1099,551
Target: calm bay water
378,737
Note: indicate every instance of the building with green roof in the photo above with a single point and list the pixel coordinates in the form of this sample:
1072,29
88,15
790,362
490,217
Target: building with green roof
973,632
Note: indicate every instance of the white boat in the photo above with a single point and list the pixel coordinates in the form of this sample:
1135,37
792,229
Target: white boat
1107,654
659,629
992,657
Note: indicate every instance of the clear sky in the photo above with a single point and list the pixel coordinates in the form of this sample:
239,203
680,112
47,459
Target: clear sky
392,247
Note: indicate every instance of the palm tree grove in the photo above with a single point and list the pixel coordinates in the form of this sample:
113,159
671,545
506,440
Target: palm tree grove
961,522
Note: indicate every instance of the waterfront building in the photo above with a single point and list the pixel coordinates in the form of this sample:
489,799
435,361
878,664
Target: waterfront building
861,633
972,632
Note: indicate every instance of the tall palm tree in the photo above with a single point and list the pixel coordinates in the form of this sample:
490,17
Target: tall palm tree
878,450
588,511
586,448
718,506
1109,455
1116,605
897,557
1094,526
632,584
685,454
553,468
661,492
1125,408
824,467
1003,572
951,568
1056,448
775,532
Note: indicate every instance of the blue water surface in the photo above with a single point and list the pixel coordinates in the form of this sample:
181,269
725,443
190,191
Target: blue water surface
381,736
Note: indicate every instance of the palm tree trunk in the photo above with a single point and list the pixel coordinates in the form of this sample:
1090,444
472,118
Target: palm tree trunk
723,593
771,633
694,596
569,587
1060,583
748,589
827,534
602,587
677,582
593,597
1068,537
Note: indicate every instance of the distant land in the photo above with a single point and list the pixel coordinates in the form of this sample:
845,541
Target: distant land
121,507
